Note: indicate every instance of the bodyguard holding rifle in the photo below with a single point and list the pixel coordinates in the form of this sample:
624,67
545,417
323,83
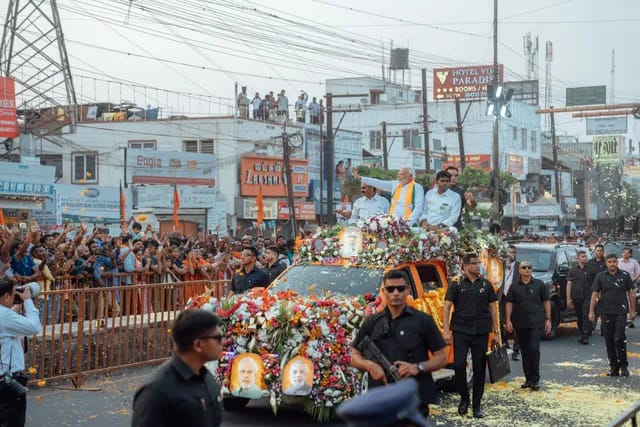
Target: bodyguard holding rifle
14,327
404,336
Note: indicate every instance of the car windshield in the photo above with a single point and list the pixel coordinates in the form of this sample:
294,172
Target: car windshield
314,279
539,258
616,248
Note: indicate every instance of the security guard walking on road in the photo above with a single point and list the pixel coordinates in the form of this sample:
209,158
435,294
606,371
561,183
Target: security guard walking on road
404,336
579,295
613,293
475,315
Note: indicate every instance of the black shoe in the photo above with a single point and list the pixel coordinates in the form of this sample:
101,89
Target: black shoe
584,340
613,373
463,407
526,384
624,372
477,413
535,386
630,324
514,356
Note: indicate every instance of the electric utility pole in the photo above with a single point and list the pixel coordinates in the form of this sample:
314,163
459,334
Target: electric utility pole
495,211
425,123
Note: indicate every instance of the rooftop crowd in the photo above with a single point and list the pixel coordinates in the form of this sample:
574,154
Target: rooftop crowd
276,107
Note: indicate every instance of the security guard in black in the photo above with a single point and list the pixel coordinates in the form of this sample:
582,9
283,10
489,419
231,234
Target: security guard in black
613,290
248,276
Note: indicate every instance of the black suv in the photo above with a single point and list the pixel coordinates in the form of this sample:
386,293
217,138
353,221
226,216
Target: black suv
551,263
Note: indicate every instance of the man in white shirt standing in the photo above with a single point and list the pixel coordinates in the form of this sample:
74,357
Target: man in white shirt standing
407,196
631,266
14,327
441,205
368,205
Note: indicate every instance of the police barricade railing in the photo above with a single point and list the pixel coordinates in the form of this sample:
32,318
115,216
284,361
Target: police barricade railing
628,416
100,329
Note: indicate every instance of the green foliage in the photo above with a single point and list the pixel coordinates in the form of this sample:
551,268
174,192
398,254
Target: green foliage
472,177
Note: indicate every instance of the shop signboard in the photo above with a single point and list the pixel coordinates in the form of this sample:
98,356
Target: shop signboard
606,125
606,149
267,173
477,161
97,205
170,167
588,95
8,118
304,210
468,82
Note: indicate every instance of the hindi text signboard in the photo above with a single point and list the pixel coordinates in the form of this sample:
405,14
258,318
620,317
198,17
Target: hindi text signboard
606,150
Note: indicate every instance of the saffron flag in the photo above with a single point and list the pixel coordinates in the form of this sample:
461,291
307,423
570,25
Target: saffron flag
176,206
2,221
260,205
345,199
123,206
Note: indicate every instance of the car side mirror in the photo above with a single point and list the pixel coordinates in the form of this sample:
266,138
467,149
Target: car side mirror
563,269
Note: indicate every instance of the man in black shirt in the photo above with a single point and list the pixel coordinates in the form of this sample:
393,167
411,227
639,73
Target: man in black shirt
613,292
528,311
579,295
475,315
273,266
404,336
248,276
183,392
595,265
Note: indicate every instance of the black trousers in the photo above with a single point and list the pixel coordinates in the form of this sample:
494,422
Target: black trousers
615,339
503,331
478,344
530,348
13,408
582,316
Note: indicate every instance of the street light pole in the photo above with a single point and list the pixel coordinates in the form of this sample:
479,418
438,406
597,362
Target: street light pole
495,211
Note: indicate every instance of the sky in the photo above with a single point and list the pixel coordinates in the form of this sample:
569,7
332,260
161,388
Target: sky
187,55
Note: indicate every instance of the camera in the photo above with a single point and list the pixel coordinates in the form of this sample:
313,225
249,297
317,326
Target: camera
35,291
10,385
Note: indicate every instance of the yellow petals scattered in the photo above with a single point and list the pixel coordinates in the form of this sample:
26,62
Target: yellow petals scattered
42,383
32,370
38,398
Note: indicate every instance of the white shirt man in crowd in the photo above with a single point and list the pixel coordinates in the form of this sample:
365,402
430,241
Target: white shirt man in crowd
407,196
629,264
366,206
283,104
441,204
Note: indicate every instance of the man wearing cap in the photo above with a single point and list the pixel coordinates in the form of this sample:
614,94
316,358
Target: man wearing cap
248,276
407,195
405,336
366,206
393,406
475,315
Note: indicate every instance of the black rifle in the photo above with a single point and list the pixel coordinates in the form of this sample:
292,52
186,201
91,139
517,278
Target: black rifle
373,352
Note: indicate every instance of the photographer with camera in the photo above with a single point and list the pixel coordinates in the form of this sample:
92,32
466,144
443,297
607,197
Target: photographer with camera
14,327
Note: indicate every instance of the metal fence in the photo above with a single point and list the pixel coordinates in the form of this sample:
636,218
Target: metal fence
95,330
628,416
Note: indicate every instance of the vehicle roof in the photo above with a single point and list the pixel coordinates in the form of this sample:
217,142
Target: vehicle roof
547,246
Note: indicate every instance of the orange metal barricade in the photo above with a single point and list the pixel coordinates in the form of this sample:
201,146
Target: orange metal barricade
94,330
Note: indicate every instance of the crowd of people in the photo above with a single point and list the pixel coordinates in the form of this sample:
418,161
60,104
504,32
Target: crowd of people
273,107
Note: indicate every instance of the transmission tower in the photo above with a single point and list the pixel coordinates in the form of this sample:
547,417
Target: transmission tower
33,53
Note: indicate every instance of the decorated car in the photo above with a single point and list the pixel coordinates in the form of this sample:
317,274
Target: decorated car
292,340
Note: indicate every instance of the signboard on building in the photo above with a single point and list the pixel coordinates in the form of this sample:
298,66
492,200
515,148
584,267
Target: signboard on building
526,91
161,196
170,167
588,95
464,82
606,150
8,119
515,166
304,210
477,161
268,173
97,205
606,125
250,209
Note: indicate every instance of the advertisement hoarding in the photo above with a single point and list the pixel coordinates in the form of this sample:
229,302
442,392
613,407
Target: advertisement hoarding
161,196
250,209
304,210
606,150
515,166
170,167
588,95
468,82
97,205
268,173
525,91
477,161
8,119
606,125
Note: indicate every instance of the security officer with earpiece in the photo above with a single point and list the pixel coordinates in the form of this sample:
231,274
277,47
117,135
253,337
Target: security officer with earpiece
14,327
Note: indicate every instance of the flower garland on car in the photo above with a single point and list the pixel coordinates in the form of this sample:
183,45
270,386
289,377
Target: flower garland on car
281,326
474,240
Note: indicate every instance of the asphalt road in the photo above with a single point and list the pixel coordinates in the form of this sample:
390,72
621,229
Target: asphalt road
575,391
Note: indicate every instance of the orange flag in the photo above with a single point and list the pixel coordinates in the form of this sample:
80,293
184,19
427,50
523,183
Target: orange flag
123,206
345,199
2,222
176,206
260,205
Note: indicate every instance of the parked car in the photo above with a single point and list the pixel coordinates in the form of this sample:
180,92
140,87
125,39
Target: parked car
551,264
617,246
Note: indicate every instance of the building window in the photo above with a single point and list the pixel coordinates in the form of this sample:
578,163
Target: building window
534,142
54,160
375,139
204,146
437,145
84,167
411,138
515,136
143,144
524,138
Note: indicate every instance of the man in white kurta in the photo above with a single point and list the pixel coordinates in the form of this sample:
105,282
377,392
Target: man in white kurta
441,204
407,196
368,205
